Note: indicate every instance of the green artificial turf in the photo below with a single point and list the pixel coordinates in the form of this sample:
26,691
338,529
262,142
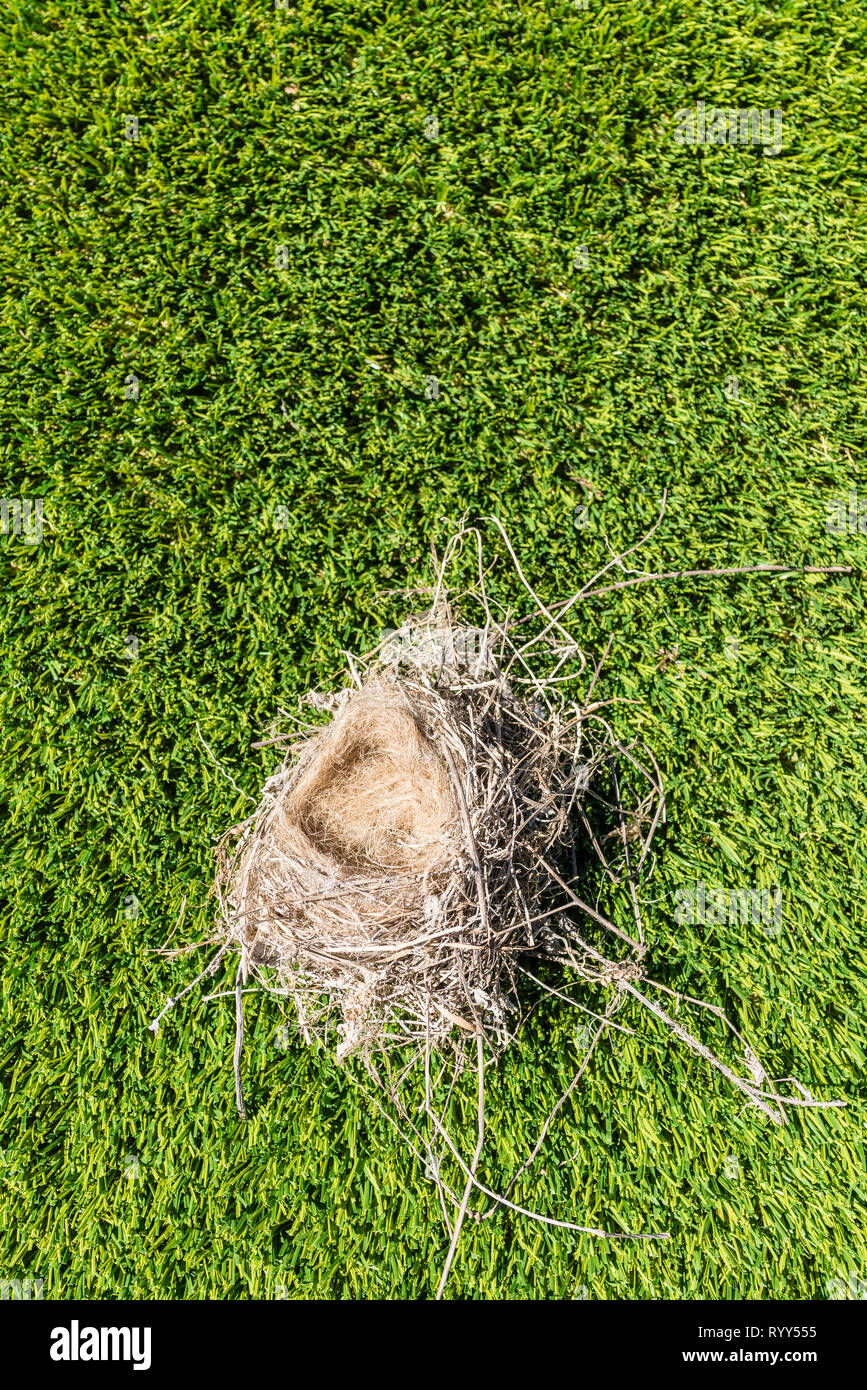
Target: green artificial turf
347,334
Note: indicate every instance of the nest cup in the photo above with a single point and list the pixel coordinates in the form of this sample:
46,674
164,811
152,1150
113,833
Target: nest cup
372,794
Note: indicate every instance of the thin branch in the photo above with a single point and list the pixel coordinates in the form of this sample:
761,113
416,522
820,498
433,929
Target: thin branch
713,574
472,1171
239,1042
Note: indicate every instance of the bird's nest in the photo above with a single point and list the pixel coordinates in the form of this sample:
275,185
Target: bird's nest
413,859
400,863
